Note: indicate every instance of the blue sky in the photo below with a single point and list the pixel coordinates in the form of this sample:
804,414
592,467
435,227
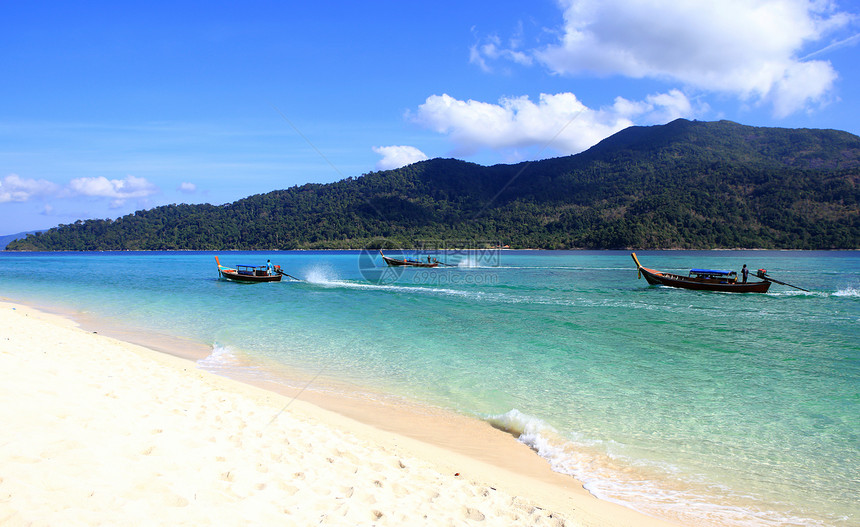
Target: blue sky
111,107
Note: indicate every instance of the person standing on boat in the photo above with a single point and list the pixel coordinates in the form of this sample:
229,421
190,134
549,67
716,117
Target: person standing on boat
745,273
270,270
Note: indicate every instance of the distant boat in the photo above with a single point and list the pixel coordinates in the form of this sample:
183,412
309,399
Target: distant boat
249,273
395,262
702,280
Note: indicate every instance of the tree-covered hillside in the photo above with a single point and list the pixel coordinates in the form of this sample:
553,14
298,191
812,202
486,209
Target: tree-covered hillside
681,185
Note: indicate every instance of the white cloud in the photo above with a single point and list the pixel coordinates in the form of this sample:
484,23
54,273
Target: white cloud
559,122
118,189
493,49
747,48
15,188
738,46
478,55
186,187
799,84
398,156
664,107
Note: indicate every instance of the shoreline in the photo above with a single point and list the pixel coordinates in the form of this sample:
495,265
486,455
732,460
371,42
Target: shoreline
453,451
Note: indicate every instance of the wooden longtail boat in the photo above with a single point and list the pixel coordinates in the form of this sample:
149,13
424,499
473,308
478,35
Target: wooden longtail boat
702,280
395,262
249,273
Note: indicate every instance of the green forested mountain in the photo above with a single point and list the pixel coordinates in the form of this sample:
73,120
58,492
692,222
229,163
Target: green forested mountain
680,185
4,240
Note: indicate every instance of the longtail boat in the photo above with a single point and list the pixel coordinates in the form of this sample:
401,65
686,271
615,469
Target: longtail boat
702,280
249,273
395,262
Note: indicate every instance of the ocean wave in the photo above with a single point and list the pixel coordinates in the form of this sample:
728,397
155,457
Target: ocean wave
225,361
851,292
219,358
653,488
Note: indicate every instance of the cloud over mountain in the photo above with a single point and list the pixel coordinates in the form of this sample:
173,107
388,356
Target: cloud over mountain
398,156
559,122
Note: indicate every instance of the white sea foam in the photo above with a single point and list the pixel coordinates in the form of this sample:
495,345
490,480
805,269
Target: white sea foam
224,361
219,358
543,439
320,278
519,424
852,292
321,274
470,262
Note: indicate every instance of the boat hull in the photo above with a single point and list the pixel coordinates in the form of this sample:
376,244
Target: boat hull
657,278
654,277
394,262
236,277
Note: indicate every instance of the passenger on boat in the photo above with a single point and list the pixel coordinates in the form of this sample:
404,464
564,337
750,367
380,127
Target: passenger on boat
745,273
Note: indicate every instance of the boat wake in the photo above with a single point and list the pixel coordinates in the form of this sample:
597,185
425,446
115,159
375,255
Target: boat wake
469,263
409,289
847,292
326,277
321,275
851,292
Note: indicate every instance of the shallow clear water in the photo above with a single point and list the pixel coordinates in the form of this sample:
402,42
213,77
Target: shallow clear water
710,408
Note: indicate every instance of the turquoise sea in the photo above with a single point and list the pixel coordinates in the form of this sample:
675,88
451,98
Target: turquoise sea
709,408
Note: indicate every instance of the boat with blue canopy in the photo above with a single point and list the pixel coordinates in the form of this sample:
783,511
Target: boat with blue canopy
702,280
713,272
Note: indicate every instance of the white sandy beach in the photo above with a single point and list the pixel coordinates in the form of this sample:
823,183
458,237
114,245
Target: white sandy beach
96,431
